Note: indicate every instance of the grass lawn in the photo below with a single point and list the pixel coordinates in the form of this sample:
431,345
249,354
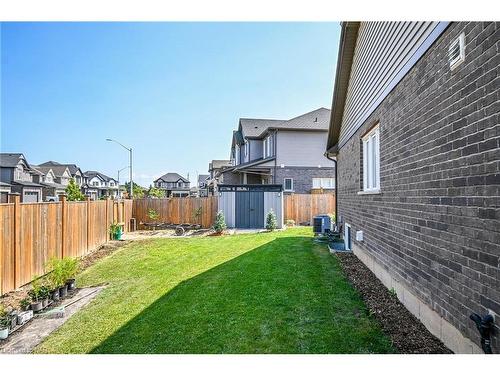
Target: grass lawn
254,293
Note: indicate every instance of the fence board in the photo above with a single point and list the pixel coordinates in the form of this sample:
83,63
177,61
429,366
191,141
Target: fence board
303,207
177,210
33,233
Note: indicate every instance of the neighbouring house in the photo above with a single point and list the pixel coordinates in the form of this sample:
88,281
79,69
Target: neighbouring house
4,192
415,130
284,152
54,180
74,171
100,186
18,174
202,190
215,168
173,184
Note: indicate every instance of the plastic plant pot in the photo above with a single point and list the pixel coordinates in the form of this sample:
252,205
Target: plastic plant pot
45,302
63,291
37,306
4,333
54,295
118,234
71,284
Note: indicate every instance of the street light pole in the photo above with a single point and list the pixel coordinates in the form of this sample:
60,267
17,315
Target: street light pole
131,191
119,195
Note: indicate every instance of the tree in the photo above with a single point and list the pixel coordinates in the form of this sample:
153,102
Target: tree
220,222
73,191
271,222
138,190
155,193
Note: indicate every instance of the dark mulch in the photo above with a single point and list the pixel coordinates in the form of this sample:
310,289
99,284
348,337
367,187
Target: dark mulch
406,332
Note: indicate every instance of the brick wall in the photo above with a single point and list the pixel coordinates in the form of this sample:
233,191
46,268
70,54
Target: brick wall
302,177
436,224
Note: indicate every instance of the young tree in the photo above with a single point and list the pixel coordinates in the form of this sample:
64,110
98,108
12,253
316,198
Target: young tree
137,190
271,222
220,222
73,191
155,193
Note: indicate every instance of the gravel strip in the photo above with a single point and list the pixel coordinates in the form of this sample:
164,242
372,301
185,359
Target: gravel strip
407,333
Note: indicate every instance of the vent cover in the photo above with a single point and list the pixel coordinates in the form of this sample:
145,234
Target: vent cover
456,53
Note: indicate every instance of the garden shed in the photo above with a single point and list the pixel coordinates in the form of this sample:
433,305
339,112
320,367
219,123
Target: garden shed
247,206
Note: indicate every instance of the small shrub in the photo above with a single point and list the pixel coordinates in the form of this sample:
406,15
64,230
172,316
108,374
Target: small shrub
4,319
24,304
220,222
290,222
70,267
153,215
55,273
36,291
271,222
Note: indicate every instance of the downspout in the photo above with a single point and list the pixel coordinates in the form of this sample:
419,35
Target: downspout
327,154
275,145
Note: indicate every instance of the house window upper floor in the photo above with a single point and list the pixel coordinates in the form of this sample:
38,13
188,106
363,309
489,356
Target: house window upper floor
371,160
268,146
20,174
323,183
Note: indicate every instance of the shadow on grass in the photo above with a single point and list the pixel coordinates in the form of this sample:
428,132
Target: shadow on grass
286,296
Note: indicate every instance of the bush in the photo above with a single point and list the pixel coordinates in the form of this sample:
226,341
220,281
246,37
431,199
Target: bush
220,222
271,222
290,222
55,273
73,191
70,267
36,291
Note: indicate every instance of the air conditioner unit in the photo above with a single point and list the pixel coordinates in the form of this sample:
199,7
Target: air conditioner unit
322,224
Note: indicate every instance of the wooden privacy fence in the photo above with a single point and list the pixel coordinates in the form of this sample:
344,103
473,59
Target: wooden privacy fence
303,207
177,210
32,233
298,207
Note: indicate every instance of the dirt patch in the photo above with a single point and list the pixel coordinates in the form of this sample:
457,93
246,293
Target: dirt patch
12,299
406,332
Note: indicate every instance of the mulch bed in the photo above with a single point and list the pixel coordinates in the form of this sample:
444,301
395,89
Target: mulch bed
407,333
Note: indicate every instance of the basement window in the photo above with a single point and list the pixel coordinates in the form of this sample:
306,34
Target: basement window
371,161
456,52
288,184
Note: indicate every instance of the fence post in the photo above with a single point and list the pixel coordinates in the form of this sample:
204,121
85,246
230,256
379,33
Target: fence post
62,199
88,224
16,199
107,218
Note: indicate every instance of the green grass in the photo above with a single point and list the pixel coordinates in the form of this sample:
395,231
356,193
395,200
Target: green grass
255,293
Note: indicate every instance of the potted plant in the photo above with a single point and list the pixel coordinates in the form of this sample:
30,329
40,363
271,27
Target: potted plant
24,304
45,295
56,278
115,230
70,269
4,323
35,295
12,317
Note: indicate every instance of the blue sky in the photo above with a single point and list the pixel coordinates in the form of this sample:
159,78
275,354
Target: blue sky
172,91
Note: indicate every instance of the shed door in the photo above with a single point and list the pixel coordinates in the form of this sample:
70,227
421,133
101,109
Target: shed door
249,209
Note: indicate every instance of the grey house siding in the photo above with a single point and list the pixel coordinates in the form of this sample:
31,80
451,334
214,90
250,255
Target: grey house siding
382,51
302,177
301,149
435,227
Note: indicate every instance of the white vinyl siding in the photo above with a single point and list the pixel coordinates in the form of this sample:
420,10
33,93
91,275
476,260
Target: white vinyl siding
371,160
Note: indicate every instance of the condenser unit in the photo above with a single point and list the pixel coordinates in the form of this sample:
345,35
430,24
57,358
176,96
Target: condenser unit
322,224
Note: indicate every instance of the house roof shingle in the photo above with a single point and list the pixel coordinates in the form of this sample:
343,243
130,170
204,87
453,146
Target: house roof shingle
317,119
10,160
103,177
172,177
73,168
203,177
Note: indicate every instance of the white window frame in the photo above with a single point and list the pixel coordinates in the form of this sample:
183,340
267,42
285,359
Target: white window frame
291,184
371,160
323,183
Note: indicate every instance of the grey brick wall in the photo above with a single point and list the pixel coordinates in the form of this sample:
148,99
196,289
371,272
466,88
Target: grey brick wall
436,224
302,176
